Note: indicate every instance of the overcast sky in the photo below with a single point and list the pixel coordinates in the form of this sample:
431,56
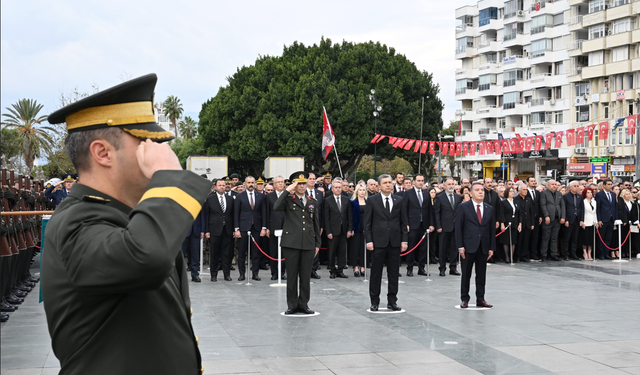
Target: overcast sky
50,47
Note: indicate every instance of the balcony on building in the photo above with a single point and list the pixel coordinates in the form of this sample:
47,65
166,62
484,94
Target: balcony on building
513,34
465,26
575,23
490,67
465,47
488,111
617,9
488,17
618,39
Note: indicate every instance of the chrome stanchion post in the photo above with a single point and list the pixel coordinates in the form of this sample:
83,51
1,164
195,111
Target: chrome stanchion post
365,259
593,249
510,244
202,256
428,256
248,266
620,260
278,233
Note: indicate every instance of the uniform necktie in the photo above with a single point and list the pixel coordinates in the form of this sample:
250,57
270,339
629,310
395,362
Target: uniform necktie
251,200
479,213
386,205
420,197
451,200
222,203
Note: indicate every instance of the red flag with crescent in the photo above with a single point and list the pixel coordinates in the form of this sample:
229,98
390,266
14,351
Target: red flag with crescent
513,142
417,148
424,146
559,139
631,124
452,149
465,148
571,137
432,148
497,149
328,137
505,146
458,148
528,144
580,135
409,144
604,130
445,148
480,148
538,144
472,149
489,147
590,130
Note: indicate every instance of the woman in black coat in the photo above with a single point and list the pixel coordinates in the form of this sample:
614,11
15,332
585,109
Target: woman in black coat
625,206
508,214
525,211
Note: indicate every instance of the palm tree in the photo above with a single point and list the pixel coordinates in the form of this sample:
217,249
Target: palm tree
188,128
172,108
24,117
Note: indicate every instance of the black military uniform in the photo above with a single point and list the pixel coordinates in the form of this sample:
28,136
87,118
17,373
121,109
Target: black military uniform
300,238
114,283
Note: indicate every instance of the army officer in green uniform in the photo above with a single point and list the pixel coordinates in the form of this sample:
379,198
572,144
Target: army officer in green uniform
300,241
114,283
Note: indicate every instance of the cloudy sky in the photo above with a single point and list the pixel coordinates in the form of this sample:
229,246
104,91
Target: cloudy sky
51,47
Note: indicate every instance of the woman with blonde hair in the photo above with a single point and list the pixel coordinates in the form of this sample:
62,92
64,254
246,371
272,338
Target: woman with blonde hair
356,242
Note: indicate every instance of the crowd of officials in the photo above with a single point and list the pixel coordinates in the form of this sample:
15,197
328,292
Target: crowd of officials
546,222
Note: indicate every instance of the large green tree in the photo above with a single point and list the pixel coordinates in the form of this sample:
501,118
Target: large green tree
274,108
10,142
172,108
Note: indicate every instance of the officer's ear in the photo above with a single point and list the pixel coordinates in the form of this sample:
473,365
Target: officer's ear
101,152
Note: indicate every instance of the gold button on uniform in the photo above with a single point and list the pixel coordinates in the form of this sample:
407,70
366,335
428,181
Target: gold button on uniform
192,311
197,341
202,369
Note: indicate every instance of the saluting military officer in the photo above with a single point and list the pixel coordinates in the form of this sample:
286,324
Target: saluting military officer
300,241
114,282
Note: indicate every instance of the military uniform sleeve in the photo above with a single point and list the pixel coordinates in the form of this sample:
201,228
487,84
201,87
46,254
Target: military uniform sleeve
103,252
280,205
316,226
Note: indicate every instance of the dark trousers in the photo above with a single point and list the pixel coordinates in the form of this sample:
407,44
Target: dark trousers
242,252
550,238
448,250
265,245
298,267
421,252
273,252
338,247
571,239
220,254
356,250
380,256
479,258
534,250
524,239
191,247
606,232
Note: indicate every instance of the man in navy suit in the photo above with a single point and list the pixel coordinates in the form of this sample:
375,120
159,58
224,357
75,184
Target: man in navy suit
191,244
385,229
476,241
249,214
219,214
573,211
607,210
417,204
446,205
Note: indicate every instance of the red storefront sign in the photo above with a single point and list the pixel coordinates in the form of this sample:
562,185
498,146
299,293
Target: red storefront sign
579,167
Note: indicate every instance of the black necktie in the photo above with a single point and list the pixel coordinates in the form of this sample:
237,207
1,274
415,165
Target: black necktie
386,205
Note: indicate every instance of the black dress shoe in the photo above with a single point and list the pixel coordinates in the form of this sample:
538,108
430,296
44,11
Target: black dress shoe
342,275
33,279
307,311
374,308
393,307
442,273
5,307
454,272
232,268
410,273
483,304
573,257
314,275
422,273
491,260
214,278
264,267
356,273
228,278
19,294
274,277
332,276
525,260
464,304
256,277
290,311
4,317
555,259
14,300
284,276
196,279
607,257
241,278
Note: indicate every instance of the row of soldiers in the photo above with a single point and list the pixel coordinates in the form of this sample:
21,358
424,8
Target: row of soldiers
19,237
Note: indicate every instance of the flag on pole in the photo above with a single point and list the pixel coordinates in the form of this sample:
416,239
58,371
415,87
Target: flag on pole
580,135
432,148
328,137
604,130
559,139
417,148
472,149
460,128
548,140
631,125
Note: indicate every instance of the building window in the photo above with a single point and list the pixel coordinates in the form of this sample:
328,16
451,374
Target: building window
605,110
512,30
629,139
510,100
510,9
510,77
463,43
596,32
559,68
620,53
558,117
596,58
539,23
622,25
582,88
617,3
582,113
596,6
486,15
485,81
462,85
539,47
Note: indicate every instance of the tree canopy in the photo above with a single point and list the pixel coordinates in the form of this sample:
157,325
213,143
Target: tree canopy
274,108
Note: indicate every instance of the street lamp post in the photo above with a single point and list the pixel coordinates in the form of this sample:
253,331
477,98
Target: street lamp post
376,113
440,138
637,176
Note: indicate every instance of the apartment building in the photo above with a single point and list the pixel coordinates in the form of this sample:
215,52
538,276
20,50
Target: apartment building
604,73
513,80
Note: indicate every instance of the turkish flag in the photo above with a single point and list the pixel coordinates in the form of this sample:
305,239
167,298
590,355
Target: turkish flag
472,149
489,147
590,129
631,125
505,146
465,148
458,148
538,143
514,145
425,144
528,144
409,144
439,145
404,142
432,148
559,139
445,148
537,7
521,144
481,148
398,142
580,135
328,136
418,144
548,140
381,138
571,137
496,147
375,139
452,149
392,140
604,130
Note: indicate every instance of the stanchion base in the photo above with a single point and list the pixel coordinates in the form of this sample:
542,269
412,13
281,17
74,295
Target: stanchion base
243,283
472,306
298,315
620,261
428,280
399,282
277,285
384,310
365,281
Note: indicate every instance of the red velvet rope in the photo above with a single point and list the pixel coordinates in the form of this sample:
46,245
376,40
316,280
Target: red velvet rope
505,229
418,244
615,248
265,254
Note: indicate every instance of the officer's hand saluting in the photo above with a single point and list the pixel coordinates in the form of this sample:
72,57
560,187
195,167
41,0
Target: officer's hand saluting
153,157
291,188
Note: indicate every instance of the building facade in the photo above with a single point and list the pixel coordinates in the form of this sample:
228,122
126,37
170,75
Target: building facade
522,72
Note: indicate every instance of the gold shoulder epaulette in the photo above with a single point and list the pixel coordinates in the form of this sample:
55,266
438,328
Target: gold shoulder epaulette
94,199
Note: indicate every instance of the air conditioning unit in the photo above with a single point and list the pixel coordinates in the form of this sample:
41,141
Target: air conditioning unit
521,13
552,101
611,149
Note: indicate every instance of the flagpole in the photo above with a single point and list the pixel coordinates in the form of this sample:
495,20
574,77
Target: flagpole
335,149
421,123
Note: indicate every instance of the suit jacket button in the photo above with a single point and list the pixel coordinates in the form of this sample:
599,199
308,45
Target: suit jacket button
303,228
303,222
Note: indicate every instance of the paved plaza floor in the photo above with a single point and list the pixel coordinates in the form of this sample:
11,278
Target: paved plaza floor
572,317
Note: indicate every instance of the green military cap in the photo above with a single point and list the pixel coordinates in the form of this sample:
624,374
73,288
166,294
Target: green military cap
128,106
234,175
299,177
260,180
239,183
204,175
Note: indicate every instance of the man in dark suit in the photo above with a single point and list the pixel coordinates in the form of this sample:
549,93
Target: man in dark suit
300,241
534,236
318,195
445,212
275,221
219,212
398,185
191,244
553,212
249,214
417,204
525,211
385,227
573,209
476,241
338,223
493,198
607,209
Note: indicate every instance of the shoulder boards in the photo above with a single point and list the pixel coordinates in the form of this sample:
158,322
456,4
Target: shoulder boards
94,199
